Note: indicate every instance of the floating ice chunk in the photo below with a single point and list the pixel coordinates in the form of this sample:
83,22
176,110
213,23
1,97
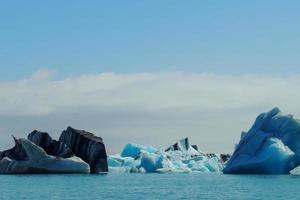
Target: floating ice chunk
150,161
133,150
117,163
114,161
271,146
117,169
171,170
295,171
38,161
213,165
180,158
183,148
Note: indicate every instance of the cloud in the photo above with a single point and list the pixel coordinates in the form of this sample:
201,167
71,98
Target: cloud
148,108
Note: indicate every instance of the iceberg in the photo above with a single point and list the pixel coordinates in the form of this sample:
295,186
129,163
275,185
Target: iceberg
86,146
182,157
76,151
295,171
117,163
26,157
271,146
133,150
72,142
183,148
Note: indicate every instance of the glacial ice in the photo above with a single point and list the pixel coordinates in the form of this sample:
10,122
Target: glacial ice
133,150
271,146
295,171
38,161
180,157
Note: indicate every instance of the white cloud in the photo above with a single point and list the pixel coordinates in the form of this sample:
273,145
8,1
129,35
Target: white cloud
150,108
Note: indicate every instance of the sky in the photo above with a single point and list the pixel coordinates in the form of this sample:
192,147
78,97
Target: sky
149,72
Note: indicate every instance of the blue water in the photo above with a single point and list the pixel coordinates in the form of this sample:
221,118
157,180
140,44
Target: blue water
149,186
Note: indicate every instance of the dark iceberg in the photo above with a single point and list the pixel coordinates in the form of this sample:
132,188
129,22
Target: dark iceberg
26,157
184,146
52,147
222,157
271,146
16,153
77,151
86,146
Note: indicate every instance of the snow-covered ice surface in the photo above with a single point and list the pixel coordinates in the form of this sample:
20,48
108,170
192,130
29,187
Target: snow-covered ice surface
180,157
271,146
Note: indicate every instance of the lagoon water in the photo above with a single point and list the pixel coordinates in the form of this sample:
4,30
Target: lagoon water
149,186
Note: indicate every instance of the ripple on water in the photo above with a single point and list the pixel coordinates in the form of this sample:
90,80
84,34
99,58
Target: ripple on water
149,186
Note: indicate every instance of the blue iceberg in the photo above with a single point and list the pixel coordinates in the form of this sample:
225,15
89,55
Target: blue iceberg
271,146
133,150
180,157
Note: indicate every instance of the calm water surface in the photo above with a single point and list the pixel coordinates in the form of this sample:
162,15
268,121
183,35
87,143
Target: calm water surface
149,186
